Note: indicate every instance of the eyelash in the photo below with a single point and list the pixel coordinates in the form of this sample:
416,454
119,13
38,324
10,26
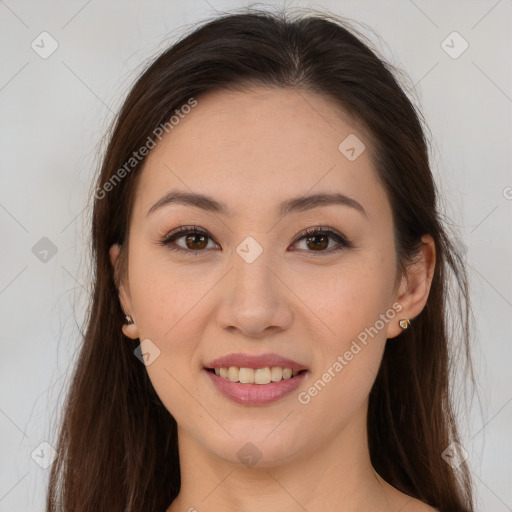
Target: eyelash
177,233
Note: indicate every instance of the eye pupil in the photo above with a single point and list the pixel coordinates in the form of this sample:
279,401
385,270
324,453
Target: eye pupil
193,239
316,244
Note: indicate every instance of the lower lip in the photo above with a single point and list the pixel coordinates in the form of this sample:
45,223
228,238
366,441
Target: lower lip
256,394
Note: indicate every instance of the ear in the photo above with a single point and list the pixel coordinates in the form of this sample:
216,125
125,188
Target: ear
415,285
129,330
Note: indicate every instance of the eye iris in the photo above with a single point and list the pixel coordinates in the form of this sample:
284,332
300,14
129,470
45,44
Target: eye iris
193,238
316,244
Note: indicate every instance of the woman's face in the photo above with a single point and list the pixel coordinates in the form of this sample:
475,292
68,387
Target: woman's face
253,283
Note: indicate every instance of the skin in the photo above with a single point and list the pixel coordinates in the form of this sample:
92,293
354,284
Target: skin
251,150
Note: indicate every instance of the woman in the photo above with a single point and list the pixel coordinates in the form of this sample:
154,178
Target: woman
269,320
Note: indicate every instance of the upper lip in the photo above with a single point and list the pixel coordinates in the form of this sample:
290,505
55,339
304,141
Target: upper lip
254,361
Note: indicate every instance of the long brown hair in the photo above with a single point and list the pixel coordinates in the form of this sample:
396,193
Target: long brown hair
117,446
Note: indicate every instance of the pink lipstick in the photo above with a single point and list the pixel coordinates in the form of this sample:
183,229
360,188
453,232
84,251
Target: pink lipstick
255,379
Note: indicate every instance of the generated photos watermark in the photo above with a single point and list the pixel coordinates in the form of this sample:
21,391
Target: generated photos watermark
304,397
143,151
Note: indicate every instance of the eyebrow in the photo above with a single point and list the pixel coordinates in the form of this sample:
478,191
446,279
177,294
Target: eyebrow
297,204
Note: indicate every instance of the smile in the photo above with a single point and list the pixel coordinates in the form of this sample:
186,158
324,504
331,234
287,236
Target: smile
252,394
261,376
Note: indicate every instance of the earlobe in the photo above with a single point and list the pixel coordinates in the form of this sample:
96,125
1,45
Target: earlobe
113,252
415,286
129,329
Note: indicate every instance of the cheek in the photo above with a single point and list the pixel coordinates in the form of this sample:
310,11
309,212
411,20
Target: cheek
356,305
171,314
359,335
165,295
350,297
351,354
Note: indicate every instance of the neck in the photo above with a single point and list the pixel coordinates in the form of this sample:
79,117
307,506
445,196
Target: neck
335,476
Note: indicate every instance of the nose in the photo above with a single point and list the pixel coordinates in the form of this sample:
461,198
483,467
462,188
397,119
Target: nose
255,300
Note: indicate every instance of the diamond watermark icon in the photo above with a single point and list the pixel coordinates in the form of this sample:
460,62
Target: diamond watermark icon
455,455
351,147
44,45
454,45
249,249
44,455
44,249
147,352
249,455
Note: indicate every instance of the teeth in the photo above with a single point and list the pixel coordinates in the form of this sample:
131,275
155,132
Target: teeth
256,376
276,373
245,375
233,373
262,376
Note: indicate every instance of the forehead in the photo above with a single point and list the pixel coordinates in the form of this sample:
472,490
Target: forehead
250,147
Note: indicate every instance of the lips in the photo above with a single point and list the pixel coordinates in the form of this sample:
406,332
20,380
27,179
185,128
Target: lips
252,393
255,394
256,361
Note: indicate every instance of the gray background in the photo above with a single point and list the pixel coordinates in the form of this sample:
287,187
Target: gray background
54,112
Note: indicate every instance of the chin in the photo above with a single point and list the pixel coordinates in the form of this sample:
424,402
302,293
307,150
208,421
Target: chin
256,448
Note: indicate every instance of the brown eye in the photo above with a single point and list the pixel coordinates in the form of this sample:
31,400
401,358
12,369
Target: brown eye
317,242
196,241
188,239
